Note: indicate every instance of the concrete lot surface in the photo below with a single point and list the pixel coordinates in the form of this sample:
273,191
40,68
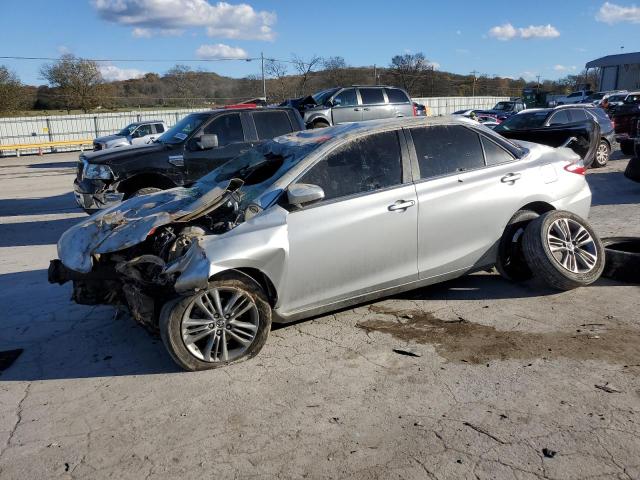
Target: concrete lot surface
506,384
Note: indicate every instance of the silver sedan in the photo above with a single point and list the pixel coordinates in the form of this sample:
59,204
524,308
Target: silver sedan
319,220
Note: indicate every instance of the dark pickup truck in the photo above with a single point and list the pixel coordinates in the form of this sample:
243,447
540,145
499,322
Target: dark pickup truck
625,118
197,144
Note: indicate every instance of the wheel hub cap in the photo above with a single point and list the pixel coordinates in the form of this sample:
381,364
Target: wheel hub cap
572,246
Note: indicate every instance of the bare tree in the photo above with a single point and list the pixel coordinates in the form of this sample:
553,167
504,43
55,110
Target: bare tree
11,91
304,69
409,69
278,72
77,79
335,70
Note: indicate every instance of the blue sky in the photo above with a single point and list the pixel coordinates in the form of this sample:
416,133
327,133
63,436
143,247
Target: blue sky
495,37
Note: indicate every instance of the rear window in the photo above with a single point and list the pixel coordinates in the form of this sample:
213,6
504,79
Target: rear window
396,96
600,113
633,98
578,115
523,121
371,95
271,124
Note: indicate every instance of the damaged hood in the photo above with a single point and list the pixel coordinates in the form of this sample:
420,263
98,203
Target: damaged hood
130,223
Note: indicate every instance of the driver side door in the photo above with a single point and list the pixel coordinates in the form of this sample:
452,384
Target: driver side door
346,107
141,135
231,143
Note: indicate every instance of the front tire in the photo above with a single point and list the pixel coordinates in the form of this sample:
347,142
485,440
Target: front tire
227,323
563,250
602,154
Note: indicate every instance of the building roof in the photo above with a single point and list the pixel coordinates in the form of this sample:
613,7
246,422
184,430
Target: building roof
613,60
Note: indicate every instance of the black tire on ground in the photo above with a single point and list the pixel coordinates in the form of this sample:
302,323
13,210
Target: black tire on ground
175,311
622,259
511,263
564,267
602,155
632,172
145,191
319,124
626,146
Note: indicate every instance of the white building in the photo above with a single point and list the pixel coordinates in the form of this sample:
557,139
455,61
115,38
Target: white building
618,72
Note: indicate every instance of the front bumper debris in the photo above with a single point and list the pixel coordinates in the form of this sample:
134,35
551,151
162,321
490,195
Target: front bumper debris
96,200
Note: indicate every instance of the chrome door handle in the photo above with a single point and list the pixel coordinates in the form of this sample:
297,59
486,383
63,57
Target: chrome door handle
510,177
356,109
401,205
366,109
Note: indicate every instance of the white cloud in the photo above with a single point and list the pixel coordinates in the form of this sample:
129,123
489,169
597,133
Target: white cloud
564,68
140,32
529,76
434,65
463,51
458,32
613,13
509,32
112,73
220,50
63,49
168,17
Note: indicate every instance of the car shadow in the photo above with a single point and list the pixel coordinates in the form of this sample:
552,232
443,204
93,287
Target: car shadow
612,188
35,206
62,340
43,232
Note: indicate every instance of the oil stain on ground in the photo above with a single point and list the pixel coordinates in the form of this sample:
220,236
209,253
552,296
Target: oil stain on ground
465,341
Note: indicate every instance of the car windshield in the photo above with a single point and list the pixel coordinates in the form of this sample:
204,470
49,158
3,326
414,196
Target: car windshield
126,131
505,106
181,130
632,98
523,121
260,166
596,96
321,97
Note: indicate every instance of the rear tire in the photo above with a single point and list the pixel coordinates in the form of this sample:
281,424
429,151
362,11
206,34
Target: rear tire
622,259
563,250
602,155
626,146
511,263
211,330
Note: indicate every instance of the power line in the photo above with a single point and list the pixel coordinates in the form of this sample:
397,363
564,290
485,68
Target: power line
149,60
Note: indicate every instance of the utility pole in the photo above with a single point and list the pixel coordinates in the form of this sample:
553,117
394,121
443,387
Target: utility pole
375,75
474,73
264,82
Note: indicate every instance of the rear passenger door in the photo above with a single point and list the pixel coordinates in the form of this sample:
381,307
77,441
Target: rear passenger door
374,104
231,142
464,202
271,124
400,103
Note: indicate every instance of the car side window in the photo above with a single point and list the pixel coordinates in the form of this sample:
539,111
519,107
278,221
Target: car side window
272,124
577,115
396,96
446,149
143,130
159,128
371,96
228,128
346,98
494,154
559,118
363,165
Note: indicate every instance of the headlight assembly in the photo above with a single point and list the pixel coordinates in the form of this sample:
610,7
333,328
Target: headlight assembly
93,171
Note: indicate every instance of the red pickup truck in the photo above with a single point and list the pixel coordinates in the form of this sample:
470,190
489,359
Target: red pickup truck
625,118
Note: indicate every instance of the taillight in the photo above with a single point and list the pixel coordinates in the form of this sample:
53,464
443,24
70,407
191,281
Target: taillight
415,110
576,168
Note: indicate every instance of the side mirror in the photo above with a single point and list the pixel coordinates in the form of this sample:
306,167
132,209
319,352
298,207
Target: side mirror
300,194
207,141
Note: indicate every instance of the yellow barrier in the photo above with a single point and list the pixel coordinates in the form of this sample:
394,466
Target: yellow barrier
39,146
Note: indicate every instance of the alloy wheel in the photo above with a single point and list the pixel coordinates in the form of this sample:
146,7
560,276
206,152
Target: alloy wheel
602,154
220,324
572,246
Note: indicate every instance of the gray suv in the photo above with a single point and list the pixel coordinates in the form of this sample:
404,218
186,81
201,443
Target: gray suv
355,104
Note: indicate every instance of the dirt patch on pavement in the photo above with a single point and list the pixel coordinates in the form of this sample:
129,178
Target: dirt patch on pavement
464,341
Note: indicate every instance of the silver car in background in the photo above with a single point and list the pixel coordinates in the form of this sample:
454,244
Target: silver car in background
356,103
318,220
137,133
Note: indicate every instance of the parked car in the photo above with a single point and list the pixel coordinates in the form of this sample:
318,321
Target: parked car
625,118
353,104
197,144
573,97
505,109
419,110
319,220
137,133
555,126
613,101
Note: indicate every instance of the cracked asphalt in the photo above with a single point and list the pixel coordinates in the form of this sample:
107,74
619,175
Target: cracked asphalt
505,381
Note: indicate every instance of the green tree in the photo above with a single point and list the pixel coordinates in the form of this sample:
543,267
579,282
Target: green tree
12,92
78,80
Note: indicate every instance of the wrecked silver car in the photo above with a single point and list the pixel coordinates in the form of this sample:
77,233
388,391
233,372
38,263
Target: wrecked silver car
318,220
